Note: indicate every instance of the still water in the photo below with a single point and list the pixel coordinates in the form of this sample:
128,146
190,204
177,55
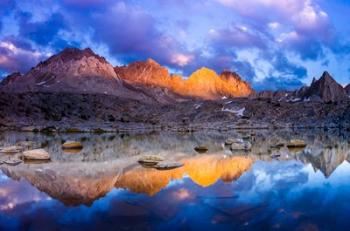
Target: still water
102,187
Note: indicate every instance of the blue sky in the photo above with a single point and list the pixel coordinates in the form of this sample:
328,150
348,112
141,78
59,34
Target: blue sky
272,44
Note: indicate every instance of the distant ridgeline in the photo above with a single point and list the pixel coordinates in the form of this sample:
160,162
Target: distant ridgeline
82,71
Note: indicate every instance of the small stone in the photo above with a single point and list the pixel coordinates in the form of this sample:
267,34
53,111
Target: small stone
150,159
201,149
168,165
36,154
11,150
72,145
296,143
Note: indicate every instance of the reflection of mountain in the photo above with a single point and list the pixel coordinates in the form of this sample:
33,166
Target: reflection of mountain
83,183
326,159
109,161
72,184
203,170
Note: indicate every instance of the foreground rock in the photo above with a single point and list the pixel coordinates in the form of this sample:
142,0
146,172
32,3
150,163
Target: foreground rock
72,145
36,154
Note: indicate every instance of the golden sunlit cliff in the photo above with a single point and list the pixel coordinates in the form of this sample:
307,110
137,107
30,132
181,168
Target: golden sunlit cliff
203,83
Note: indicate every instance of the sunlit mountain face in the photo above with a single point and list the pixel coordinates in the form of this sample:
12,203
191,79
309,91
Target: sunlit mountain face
272,45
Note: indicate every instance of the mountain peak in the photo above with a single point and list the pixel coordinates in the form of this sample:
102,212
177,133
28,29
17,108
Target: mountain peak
152,62
226,74
327,89
327,77
72,53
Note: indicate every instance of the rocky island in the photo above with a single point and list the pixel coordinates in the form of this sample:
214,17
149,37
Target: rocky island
78,90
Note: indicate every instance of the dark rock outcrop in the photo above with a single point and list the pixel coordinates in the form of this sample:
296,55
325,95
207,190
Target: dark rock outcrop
327,89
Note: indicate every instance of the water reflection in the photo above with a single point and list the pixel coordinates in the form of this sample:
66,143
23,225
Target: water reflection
104,181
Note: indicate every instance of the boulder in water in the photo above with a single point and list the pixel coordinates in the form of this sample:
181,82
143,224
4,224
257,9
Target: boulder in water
36,154
72,145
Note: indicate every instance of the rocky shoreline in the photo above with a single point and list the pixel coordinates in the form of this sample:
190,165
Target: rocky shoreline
67,112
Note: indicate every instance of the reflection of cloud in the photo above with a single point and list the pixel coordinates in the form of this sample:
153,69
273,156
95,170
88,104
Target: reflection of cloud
13,194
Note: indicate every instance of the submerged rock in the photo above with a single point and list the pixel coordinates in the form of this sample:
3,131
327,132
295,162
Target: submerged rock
72,145
36,154
168,165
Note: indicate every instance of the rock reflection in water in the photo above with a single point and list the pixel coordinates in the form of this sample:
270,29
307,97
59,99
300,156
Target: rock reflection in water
109,161
204,170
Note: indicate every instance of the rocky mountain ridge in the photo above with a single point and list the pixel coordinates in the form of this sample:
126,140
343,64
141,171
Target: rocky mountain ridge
325,89
82,71
203,83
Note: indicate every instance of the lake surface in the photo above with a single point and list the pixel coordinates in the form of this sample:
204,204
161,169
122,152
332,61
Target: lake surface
102,187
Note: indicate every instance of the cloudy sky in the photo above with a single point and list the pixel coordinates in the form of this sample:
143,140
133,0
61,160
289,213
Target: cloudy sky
273,44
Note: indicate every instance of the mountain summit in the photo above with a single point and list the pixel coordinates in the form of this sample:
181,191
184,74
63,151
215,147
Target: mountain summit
72,70
327,89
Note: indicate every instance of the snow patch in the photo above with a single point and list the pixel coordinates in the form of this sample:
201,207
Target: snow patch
196,106
238,112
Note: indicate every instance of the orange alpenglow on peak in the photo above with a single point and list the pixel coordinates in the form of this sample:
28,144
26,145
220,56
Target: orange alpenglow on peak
203,83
